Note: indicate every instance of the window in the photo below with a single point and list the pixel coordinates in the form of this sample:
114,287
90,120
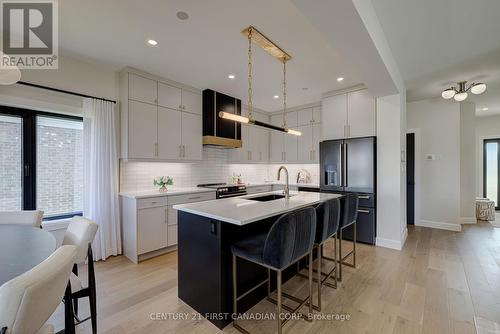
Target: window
491,172
59,166
41,162
10,163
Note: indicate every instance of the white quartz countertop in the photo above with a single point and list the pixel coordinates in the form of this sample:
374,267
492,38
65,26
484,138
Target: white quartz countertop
306,185
243,210
170,192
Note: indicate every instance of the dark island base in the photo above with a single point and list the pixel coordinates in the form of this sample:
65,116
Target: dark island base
205,269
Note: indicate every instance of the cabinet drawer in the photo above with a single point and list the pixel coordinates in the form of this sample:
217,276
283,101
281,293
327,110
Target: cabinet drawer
151,202
189,198
366,200
259,189
172,235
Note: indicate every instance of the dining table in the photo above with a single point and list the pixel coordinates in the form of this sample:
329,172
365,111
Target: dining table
23,247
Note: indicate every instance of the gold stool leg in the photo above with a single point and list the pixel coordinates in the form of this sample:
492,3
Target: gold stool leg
311,282
354,247
340,255
319,259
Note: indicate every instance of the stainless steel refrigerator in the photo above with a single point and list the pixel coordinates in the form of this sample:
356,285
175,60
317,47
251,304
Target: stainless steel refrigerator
349,165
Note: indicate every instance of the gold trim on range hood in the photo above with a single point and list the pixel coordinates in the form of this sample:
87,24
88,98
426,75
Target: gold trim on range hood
222,142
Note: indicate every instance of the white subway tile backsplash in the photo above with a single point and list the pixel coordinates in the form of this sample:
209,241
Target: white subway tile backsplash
138,176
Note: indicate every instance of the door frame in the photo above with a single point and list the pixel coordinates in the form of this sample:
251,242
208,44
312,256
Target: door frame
483,143
418,159
480,162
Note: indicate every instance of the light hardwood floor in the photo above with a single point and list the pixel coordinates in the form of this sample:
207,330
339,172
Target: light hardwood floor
438,283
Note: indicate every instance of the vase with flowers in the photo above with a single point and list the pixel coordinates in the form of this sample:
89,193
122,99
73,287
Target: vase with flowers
163,182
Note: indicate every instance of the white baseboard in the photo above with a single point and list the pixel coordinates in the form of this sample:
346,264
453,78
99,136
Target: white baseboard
440,225
404,236
468,220
389,243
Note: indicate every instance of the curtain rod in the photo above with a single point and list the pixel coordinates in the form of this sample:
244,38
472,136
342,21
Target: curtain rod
63,91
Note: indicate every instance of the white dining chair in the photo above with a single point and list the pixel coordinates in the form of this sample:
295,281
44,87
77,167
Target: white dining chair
27,217
28,301
80,233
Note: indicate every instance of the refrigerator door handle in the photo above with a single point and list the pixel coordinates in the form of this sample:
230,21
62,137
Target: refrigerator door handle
346,181
341,165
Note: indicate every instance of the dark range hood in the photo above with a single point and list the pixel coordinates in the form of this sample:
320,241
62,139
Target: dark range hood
216,130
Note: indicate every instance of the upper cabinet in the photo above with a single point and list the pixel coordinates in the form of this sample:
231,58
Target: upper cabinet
159,120
142,89
286,148
348,115
255,142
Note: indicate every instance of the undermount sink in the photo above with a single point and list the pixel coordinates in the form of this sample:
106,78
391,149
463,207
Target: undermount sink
267,198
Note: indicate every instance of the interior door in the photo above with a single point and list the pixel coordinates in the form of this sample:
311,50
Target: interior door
410,178
491,170
360,165
331,165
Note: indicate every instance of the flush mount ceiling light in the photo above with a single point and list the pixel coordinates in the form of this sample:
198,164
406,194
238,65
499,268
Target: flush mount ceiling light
231,76
460,93
152,42
340,79
253,35
9,74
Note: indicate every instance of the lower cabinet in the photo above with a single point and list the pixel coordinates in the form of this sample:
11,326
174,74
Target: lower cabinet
149,225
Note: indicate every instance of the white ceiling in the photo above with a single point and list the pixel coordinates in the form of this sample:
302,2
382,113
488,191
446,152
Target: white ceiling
203,50
439,42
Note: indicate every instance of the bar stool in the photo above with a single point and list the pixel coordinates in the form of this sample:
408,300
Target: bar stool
349,215
290,239
327,224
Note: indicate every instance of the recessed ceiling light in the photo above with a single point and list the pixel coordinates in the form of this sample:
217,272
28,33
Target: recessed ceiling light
152,42
182,15
276,96
485,109
339,79
231,76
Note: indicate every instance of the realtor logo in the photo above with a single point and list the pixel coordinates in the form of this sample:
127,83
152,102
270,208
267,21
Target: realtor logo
29,34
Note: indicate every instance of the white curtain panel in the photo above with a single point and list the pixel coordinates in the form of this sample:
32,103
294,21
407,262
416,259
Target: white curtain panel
101,181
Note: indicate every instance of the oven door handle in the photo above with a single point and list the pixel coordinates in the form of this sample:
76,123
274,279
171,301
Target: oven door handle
232,195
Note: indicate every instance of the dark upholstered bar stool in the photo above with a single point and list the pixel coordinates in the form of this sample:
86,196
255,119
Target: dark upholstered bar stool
327,224
348,217
290,239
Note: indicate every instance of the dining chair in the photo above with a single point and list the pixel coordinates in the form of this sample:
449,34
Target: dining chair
80,233
26,217
28,301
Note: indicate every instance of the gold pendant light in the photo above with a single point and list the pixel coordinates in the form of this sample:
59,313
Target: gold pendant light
265,43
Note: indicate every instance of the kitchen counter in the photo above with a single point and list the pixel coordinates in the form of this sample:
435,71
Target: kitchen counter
243,210
170,192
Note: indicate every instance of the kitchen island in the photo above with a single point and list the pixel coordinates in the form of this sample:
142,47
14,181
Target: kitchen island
206,231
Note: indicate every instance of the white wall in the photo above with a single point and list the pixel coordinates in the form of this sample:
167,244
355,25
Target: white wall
467,162
486,128
391,218
439,124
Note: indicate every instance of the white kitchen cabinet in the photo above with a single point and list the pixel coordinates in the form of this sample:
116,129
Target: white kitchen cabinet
191,102
152,224
169,133
291,119
305,143
159,120
149,225
142,89
309,116
142,130
290,148
169,96
277,153
361,114
316,137
191,136
255,142
348,115
334,117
